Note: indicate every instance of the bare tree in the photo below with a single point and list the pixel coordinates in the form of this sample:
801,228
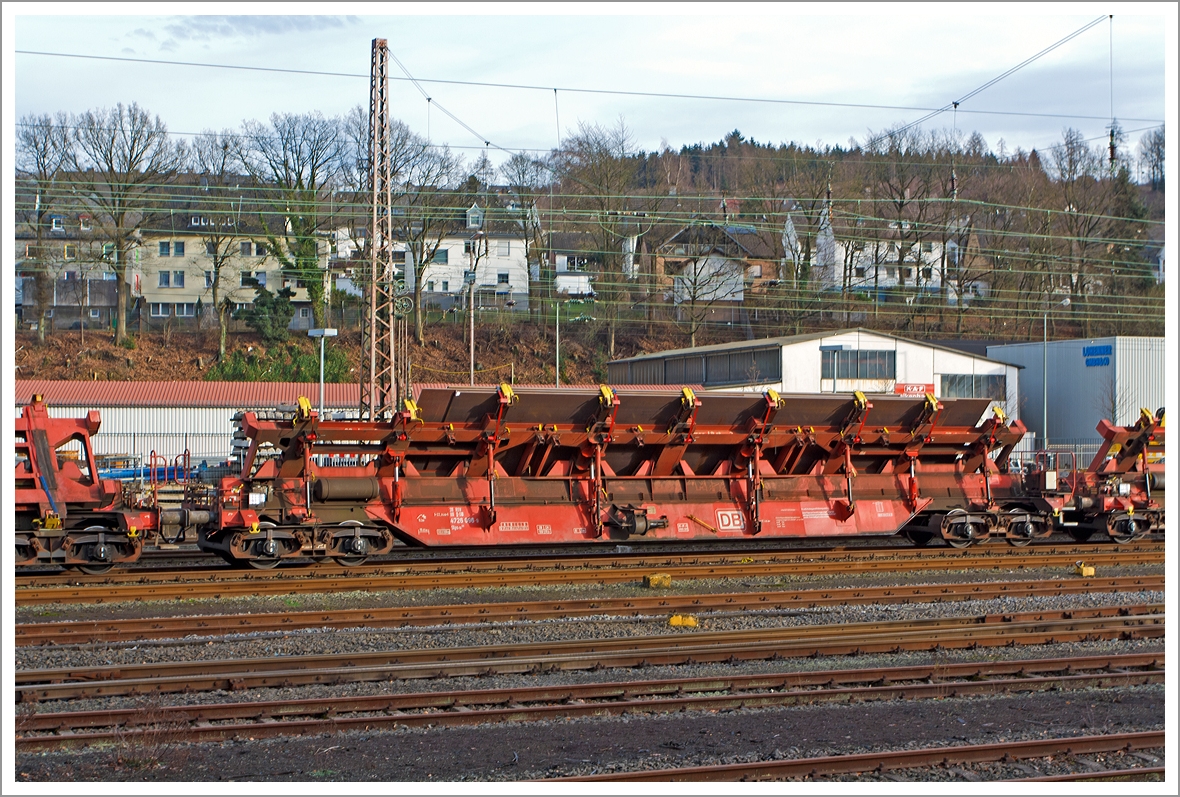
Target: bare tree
1151,152
219,195
43,151
124,157
527,177
599,168
300,156
703,283
425,211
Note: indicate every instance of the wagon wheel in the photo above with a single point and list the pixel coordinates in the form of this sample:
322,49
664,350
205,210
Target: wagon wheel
98,566
1019,542
353,560
269,562
958,542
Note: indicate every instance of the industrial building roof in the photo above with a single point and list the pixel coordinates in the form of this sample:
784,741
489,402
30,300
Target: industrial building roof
234,395
787,340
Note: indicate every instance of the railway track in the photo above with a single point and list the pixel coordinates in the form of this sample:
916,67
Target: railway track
207,723
133,630
894,760
221,583
1023,628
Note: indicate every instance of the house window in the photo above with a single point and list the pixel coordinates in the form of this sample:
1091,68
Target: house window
909,272
988,386
70,251
503,248
430,285
889,273
30,250
186,309
165,249
854,364
245,248
502,278
860,272
446,286
247,280
240,307
84,223
754,272
70,275
440,257
927,273
57,223
95,313
259,250
108,251
399,257
165,279
210,248
177,279
178,249
927,246
49,313
196,222
305,312
208,279
260,276
160,309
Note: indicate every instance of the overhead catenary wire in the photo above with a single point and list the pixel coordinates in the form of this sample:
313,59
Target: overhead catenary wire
571,89
957,103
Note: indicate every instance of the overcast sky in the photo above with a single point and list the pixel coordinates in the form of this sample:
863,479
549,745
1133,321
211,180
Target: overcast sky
916,57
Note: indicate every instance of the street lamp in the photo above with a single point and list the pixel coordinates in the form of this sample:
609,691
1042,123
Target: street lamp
321,334
1045,371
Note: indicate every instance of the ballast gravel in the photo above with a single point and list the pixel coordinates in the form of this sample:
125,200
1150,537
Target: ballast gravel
584,746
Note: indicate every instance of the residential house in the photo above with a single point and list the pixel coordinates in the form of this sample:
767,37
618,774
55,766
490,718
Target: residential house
715,266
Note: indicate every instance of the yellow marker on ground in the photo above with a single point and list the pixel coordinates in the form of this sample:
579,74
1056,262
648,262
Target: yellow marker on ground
656,580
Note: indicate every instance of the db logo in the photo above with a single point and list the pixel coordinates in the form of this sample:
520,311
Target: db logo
730,520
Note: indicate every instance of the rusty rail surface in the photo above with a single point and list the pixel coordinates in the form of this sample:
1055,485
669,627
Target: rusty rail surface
1106,774
880,762
130,630
195,723
1024,628
582,570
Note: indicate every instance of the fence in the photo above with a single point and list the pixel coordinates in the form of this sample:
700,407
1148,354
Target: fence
1083,449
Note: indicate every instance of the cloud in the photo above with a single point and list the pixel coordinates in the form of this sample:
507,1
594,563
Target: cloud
143,33
127,51
204,28
169,46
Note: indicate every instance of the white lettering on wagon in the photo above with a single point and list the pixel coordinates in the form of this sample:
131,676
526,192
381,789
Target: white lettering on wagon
543,529
514,525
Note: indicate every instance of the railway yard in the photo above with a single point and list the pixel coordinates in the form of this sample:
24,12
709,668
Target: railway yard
857,661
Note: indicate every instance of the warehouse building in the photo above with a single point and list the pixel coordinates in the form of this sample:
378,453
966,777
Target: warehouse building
170,418
1089,379
829,362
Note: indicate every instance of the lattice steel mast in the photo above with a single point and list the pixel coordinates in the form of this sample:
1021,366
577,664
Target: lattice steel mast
379,388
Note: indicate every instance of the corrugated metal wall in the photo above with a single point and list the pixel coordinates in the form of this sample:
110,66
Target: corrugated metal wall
1088,380
205,432
1140,376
